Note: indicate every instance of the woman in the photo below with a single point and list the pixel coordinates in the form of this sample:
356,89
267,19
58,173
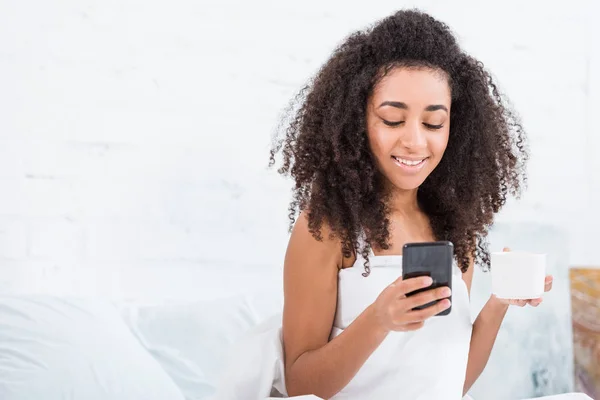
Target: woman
401,137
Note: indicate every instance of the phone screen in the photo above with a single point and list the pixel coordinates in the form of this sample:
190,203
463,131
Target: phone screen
432,259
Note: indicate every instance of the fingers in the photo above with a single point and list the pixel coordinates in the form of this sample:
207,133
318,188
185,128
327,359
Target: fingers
422,315
412,284
518,303
400,287
547,287
412,326
426,297
400,307
523,303
548,283
535,302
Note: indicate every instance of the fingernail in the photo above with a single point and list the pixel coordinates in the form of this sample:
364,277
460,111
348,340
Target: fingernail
446,292
428,280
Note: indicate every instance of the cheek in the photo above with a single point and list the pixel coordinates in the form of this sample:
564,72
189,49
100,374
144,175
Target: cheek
379,142
438,143
375,142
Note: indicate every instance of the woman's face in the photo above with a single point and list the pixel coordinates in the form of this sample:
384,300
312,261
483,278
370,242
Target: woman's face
408,123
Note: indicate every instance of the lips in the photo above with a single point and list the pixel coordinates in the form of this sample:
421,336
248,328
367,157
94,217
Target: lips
410,162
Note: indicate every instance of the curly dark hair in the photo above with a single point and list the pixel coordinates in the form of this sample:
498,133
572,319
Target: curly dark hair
324,145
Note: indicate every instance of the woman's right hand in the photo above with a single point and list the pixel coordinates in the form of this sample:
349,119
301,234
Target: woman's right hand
393,310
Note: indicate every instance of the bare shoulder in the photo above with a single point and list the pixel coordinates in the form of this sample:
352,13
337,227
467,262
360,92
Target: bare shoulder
329,249
303,240
310,289
310,261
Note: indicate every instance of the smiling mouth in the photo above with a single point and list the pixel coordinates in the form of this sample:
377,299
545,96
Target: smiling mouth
410,163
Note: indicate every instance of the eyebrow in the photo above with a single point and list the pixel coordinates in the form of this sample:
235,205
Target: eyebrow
399,104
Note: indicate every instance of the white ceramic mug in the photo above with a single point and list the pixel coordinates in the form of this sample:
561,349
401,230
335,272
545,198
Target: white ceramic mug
518,275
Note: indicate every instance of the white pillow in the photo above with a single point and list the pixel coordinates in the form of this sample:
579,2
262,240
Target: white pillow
65,348
192,341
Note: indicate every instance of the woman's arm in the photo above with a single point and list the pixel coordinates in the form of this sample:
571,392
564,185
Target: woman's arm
485,330
313,364
486,327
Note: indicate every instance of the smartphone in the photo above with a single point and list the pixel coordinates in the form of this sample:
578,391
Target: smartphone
432,259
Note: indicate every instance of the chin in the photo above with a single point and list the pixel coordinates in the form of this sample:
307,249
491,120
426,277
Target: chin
409,184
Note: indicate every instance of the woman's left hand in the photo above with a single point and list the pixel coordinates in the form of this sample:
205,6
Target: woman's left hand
531,302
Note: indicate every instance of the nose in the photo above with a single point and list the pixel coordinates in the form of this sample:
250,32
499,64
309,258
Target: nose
413,136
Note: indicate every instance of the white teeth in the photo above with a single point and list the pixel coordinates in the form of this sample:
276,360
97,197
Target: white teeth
408,162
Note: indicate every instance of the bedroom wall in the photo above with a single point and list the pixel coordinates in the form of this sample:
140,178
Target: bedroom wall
135,135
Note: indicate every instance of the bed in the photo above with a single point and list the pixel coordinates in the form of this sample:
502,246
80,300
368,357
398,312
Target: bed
164,333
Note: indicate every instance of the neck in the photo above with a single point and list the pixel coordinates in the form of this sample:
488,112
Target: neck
404,202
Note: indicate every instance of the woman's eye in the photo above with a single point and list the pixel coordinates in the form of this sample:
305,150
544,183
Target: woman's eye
391,123
428,126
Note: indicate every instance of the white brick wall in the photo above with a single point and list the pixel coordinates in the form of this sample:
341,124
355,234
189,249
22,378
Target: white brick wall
134,133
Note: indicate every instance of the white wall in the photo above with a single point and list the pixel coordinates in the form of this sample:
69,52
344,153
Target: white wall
134,134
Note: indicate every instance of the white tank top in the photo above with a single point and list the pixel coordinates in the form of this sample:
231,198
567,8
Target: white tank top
429,363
